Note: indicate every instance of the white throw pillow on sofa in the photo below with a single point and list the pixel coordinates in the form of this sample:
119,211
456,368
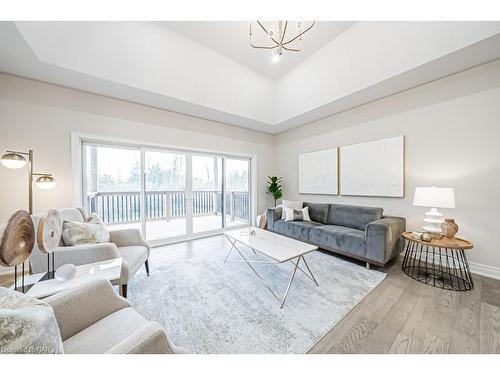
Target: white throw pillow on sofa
294,205
297,215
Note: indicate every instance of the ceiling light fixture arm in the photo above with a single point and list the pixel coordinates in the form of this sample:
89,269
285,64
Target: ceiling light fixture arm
302,33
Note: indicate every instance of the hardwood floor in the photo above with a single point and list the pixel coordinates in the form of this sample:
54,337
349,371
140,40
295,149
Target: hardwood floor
401,315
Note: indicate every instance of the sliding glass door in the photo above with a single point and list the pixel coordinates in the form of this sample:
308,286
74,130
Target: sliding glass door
207,193
237,202
166,194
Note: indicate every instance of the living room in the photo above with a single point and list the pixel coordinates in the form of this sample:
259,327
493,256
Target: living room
335,195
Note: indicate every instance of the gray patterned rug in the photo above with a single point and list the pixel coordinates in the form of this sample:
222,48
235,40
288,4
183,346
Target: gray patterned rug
207,306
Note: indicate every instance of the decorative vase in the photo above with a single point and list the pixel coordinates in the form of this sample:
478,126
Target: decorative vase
449,227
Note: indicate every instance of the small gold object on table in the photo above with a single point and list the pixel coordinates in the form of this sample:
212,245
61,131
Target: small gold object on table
440,262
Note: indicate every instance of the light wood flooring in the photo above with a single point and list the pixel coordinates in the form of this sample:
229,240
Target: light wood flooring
400,315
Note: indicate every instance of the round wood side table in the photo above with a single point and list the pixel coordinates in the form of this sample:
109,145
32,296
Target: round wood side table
441,262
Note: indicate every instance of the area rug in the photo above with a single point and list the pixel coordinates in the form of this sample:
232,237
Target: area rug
208,306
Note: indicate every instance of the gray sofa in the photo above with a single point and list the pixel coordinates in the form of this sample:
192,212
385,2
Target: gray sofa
359,232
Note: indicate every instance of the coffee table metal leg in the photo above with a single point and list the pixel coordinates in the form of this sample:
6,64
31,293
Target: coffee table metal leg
309,275
314,279
231,249
290,282
253,269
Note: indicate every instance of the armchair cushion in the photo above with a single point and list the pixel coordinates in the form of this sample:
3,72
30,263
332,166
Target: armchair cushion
79,308
104,334
149,339
93,230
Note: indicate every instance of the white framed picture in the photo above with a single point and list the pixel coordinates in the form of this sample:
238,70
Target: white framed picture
373,168
318,172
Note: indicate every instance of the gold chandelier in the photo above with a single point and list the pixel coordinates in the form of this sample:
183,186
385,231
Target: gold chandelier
281,35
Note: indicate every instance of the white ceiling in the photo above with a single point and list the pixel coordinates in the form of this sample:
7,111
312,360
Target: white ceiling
196,71
231,39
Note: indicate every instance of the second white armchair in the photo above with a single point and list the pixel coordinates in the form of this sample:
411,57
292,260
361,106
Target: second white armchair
127,244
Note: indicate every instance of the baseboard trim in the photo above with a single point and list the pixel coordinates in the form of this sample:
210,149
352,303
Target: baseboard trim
483,270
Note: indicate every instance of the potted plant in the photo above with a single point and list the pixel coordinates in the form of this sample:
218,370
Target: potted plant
274,188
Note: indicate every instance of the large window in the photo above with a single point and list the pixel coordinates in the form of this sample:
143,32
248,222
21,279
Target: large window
166,194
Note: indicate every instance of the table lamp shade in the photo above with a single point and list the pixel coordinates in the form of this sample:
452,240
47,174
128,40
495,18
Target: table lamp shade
434,197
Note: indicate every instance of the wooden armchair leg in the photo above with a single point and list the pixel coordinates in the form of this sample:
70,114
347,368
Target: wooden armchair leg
124,290
147,266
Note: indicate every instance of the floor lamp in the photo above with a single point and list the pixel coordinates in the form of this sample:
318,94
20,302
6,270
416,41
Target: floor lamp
17,160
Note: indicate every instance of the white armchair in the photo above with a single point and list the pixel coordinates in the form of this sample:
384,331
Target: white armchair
93,319
127,244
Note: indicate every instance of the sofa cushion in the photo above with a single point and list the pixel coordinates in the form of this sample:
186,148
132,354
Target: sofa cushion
318,212
106,333
295,229
341,238
357,217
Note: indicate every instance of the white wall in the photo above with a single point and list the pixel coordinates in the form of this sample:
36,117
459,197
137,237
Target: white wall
452,129
42,116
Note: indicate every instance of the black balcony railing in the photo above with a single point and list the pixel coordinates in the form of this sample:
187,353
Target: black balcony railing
125,207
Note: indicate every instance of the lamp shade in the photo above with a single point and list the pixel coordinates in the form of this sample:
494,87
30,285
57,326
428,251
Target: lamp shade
13,160
437,197
46,182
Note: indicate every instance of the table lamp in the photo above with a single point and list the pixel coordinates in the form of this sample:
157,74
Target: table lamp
434,198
